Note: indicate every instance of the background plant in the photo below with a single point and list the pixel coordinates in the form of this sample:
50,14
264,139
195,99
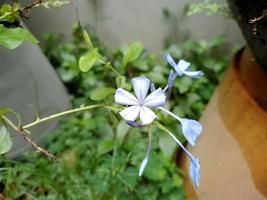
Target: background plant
12,31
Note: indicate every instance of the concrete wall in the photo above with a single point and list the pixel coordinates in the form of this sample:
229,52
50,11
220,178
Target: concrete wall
27,79
122,21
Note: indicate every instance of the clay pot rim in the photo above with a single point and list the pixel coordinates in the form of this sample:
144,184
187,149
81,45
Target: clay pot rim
235,67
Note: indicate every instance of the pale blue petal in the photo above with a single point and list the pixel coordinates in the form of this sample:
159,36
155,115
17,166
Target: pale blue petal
152,87
125,98
169,59
191,130
141,87
155,99
194,171
183,65
145,161
130,113
194,74
146,115
171,79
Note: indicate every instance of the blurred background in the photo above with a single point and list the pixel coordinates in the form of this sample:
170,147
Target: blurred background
118,21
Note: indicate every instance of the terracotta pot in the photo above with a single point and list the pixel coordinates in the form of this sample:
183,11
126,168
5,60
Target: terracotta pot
233,147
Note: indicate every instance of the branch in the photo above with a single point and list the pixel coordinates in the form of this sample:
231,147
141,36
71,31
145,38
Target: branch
42,120
24,133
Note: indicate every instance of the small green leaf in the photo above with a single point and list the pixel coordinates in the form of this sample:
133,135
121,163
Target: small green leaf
9,12
132,53
129,177
87,61
87,39
122,130
4,111
155,171
5,140
167,145
11,38
105,146
183,84
120,81
101,93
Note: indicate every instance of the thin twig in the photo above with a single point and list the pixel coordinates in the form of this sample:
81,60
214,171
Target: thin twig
24,133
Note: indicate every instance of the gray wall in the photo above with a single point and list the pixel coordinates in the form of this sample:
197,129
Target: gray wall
122,21
27,79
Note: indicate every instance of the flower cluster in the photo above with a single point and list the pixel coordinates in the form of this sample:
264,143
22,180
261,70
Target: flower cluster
138,112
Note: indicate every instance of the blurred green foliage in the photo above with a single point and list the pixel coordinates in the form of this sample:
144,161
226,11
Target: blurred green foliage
208,7
100,155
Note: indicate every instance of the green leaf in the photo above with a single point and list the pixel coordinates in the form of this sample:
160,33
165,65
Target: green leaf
166,144
87,39
120,81
155,170
4,111
87,61
5,140
132,53
183,84
11,38
105,146
122,130
101,93
129,177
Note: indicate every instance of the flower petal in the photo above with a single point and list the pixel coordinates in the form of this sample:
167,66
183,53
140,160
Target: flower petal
145,161
146,115
130,113
152,87
194,74
125,98
191,130
183,65
155,99
194,171
141,86
170,60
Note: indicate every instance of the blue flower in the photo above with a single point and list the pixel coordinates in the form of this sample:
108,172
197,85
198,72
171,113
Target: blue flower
194,171
140,106
181,68
191,129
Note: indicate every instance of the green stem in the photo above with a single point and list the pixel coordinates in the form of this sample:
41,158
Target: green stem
42,120
10,123
107,64
113,69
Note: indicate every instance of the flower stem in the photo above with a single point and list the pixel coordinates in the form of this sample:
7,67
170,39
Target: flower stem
113,69
171,114
107,64
163,128
42,120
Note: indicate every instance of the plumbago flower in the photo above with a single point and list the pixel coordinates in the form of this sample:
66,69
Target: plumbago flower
181,68
140,105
